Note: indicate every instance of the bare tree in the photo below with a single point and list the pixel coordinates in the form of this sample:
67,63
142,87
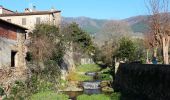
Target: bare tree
148,43
159,26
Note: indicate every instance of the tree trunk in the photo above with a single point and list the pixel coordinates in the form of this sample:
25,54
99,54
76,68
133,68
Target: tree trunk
147,55
165,46
155,51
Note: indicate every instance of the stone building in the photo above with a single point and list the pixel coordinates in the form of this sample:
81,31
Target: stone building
30,17
12,51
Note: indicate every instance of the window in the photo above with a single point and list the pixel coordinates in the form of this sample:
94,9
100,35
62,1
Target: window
24,21
9,20
38,20
13,54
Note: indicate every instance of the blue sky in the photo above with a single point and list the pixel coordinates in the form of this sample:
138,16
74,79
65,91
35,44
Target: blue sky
100,9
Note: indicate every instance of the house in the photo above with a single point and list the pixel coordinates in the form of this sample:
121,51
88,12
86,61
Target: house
12,46
30,17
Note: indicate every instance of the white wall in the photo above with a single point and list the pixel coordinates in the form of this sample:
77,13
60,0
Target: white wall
31,19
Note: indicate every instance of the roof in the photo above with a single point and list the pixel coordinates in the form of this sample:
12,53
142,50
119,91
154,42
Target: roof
30,13
6,9
12,24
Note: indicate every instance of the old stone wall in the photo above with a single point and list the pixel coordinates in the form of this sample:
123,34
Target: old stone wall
87,61
8,74
6,45
68,62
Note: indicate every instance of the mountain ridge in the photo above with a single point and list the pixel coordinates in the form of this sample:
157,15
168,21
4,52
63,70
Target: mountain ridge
92,25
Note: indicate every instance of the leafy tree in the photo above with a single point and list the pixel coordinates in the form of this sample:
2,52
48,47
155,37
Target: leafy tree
127,49
80,40
46,44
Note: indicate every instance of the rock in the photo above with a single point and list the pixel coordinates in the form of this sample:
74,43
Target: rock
104,84
107,89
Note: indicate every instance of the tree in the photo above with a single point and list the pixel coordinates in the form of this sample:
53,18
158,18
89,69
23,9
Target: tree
107,52
80,40
43,42
126,50
113,31
148,43
160,26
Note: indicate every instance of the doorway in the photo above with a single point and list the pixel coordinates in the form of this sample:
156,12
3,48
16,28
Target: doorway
13,56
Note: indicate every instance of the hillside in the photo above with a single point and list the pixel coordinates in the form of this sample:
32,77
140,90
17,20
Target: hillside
138,23
93,26
90,25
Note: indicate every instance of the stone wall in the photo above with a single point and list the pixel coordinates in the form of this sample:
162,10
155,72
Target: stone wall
6,45
87,61
8,74
68,62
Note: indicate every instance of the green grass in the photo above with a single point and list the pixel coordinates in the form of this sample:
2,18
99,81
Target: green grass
88,68
93,97
79,73
106,77
49,96
73,76
105,74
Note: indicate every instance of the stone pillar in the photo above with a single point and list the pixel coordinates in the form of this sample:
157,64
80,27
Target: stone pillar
21,66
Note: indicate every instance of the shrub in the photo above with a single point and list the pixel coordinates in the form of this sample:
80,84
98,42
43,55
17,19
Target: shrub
105,77
18,91
143,82
1,91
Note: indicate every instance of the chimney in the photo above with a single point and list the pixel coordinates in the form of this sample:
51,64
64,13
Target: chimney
27,10
1,9
34,8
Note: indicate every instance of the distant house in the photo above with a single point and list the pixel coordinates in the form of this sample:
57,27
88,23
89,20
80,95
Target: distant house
30,17
12,47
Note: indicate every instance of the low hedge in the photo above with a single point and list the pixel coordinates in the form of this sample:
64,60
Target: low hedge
143,82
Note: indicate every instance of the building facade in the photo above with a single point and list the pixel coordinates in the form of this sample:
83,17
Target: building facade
12,45
30,17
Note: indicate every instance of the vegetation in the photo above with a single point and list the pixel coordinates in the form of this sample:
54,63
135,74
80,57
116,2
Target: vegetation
2,91
49,95
88,68
93,97
79,73
18,92
73,76
45,60
126,50
115,96
106,74
80,40
159,27
43,63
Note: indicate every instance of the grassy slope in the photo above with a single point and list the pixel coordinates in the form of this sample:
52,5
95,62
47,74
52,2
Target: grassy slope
79,73
93,97
49,96
88,68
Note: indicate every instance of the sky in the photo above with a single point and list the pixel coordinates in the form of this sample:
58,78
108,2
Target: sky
99,9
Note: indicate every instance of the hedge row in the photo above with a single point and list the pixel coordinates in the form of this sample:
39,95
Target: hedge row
143,82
